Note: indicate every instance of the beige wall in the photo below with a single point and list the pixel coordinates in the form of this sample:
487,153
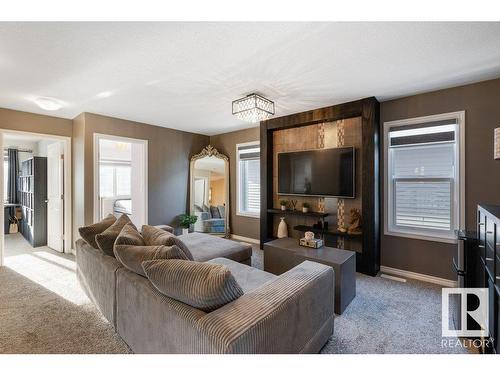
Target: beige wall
226,143
169,153
482,114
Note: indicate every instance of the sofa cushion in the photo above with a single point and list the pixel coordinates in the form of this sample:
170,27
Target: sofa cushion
214,212
89,232
204,286
129,235
205,247
132,256
106,239
247,277
154,235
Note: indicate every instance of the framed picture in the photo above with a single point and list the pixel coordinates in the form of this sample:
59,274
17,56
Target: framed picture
497,143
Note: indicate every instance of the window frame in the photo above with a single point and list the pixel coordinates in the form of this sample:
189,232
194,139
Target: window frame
239,212
457,193
5,173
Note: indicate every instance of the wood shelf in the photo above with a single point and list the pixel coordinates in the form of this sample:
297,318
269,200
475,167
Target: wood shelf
328,232
298,213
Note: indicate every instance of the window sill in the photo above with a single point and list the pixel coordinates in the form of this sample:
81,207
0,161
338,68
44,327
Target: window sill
414,236
246,214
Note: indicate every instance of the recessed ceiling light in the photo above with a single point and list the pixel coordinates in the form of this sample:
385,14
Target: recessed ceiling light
49,104
105,94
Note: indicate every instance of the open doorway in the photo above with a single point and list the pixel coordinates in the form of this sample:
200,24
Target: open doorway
36,213
120,178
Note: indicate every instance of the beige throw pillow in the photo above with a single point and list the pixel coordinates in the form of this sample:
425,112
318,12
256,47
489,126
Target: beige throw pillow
129,235
89,232
106,239
205,286
156,236
132,256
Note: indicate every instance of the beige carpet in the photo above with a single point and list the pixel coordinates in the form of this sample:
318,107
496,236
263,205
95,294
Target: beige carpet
43,310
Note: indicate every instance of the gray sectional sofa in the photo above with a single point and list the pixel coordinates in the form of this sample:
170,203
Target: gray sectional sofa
290,313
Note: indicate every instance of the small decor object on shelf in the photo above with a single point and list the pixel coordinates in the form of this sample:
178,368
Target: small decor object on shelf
497,144
282,229
294,203
355,227
305,207
186,221
315,243
309,235
283,204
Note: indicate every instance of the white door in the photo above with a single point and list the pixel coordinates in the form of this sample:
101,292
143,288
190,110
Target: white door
55,184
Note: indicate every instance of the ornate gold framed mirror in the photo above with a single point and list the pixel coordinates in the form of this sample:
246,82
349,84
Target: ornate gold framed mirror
209,192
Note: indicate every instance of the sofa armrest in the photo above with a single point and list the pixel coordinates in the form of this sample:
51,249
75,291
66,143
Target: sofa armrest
165,227
292,314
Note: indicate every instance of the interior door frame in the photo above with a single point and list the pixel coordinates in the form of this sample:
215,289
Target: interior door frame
68,212
97,138
60,149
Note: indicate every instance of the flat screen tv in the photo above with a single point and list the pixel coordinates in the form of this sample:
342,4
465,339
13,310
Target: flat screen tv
326,173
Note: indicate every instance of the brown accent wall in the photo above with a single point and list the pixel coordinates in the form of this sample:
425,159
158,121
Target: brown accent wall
169,153
482,114
330,134
226,143
34,123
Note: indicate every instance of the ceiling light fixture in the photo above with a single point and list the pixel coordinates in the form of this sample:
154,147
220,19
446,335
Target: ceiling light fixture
253,108
49,104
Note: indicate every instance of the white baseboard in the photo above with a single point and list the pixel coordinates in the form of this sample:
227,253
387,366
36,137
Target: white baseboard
245,239
419,276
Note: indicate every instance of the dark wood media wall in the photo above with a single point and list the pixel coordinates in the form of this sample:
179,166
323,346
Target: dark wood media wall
368,257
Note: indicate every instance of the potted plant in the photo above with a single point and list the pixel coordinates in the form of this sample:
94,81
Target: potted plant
186,221
305,207
283,204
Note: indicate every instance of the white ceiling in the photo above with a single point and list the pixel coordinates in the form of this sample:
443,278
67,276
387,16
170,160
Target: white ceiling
185,75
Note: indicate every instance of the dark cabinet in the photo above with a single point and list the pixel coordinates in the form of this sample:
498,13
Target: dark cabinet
488,227
33,199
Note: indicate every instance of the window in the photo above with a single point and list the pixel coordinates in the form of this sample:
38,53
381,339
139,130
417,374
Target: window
114,179
424,177
248,182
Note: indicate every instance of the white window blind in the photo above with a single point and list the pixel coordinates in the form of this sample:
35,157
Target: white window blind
114,179
423,178
249,179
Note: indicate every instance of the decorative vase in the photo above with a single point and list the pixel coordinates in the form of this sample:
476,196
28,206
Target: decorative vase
185,230
283,208
305,209
282,229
